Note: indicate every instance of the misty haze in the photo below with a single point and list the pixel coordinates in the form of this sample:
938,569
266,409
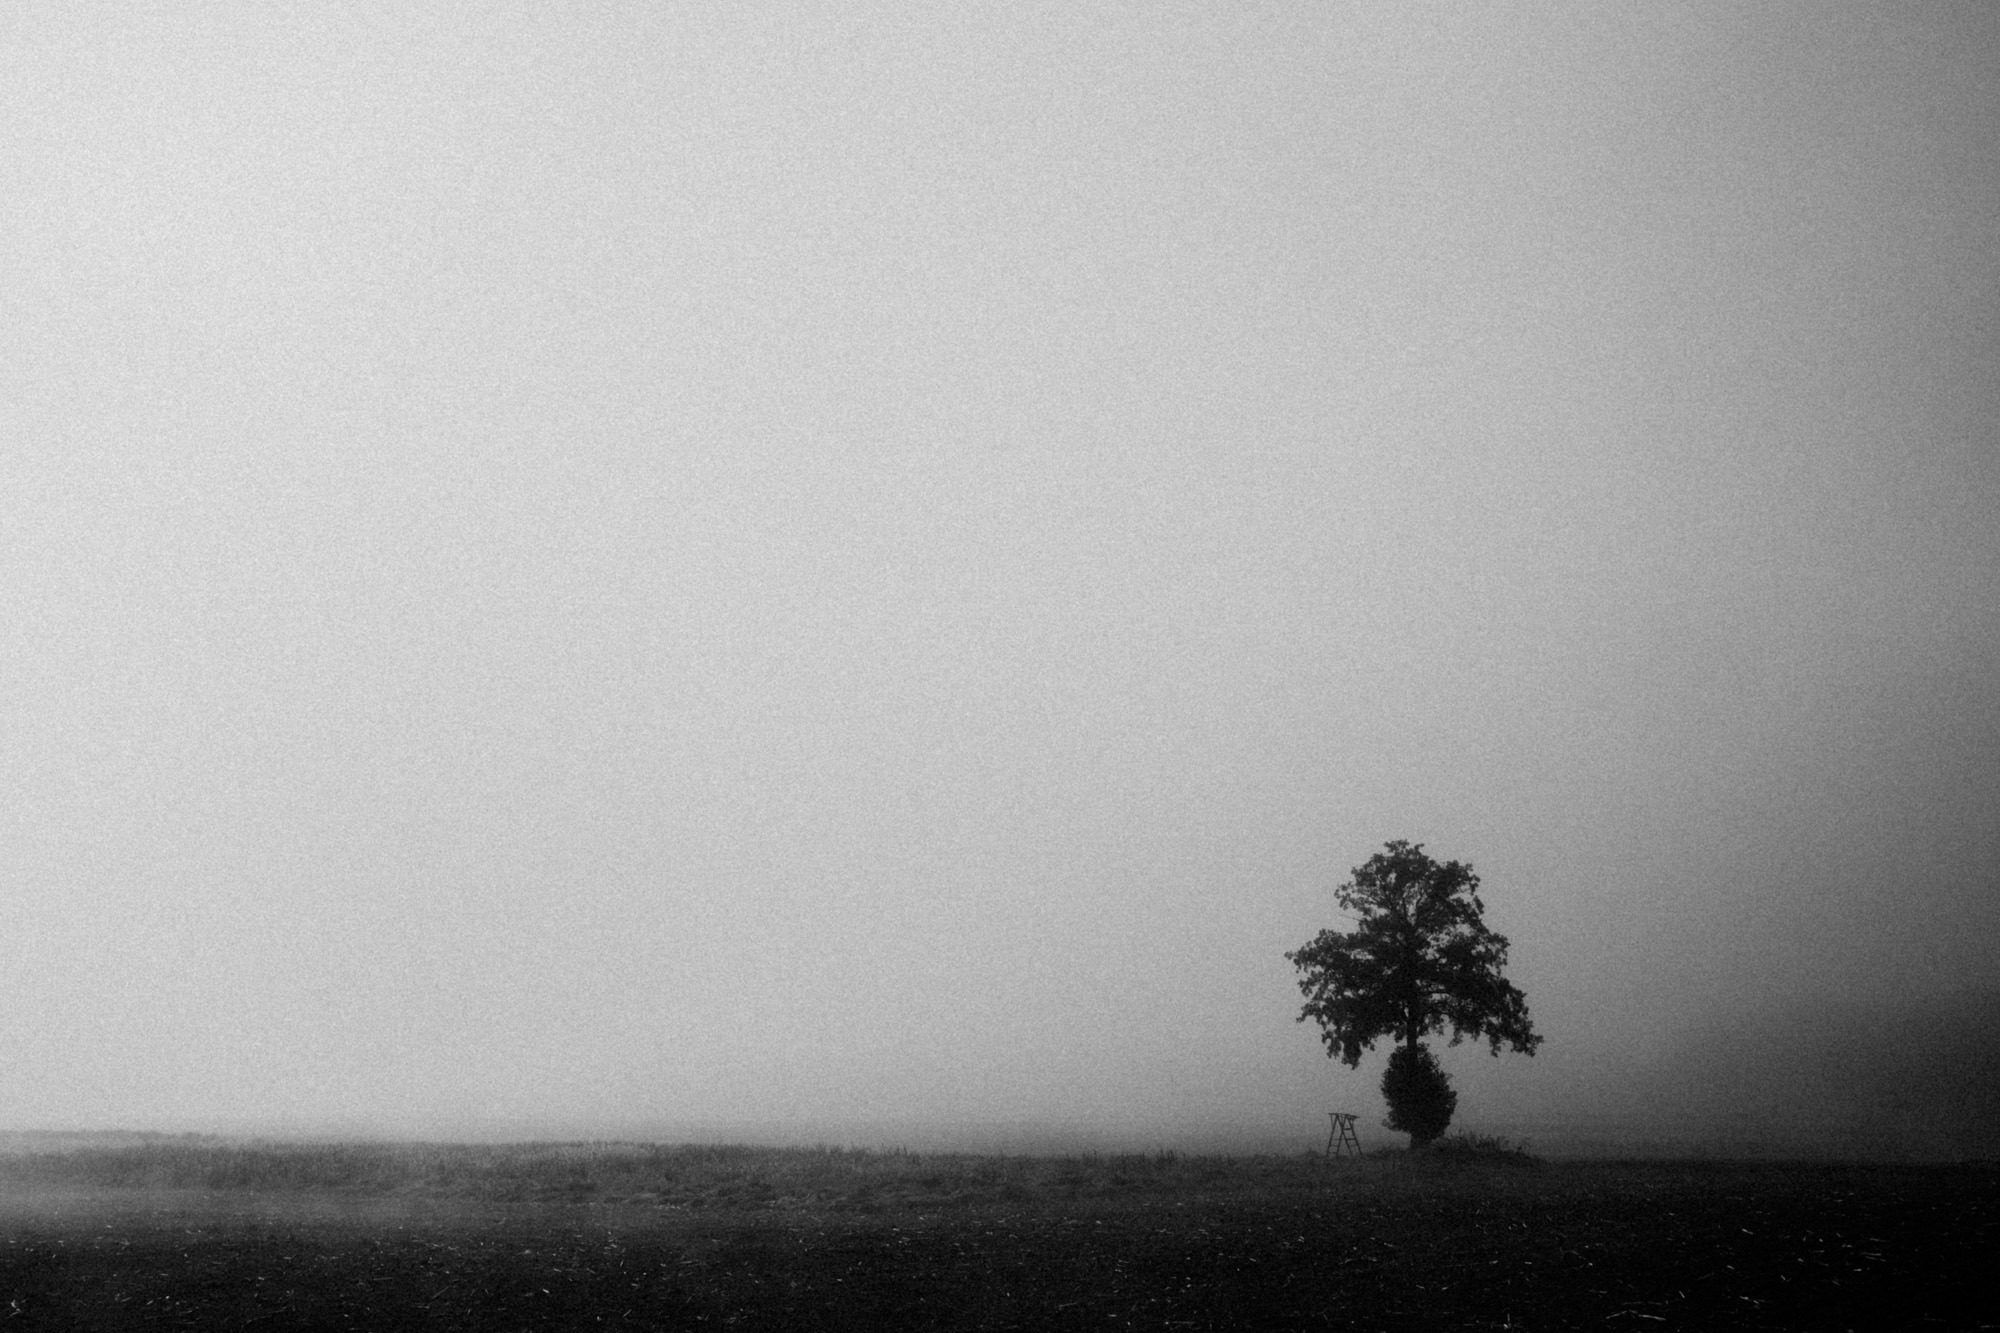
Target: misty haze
849,575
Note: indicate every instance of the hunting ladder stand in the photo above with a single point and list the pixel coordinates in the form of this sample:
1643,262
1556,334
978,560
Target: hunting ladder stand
1340,1140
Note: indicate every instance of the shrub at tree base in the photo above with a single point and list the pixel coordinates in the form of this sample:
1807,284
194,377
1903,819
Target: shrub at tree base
1419,1094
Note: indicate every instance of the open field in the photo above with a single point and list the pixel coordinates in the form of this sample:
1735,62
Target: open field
200,1233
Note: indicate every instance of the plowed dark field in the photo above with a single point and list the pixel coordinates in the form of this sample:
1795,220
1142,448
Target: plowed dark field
1564,1246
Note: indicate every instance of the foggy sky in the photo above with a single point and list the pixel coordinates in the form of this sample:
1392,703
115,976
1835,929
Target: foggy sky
821,565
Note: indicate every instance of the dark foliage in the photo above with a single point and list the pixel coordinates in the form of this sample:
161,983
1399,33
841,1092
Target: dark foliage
1419,1095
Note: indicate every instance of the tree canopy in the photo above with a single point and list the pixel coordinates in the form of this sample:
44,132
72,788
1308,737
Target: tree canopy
1420,960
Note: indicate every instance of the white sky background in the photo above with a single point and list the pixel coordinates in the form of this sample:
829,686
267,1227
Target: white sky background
619,563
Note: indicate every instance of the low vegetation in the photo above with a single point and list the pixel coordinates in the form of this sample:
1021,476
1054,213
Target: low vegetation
681,1176
1484,1150
695,1177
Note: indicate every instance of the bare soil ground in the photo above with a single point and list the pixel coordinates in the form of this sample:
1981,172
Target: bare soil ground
218,1237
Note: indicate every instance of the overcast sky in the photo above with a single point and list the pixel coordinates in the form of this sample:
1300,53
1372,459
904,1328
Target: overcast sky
813,564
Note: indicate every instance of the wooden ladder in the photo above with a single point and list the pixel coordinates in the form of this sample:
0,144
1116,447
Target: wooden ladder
1340,1140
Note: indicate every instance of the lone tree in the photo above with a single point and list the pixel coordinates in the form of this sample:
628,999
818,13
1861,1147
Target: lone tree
1420,960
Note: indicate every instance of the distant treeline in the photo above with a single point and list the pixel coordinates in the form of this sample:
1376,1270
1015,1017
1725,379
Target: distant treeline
55,1140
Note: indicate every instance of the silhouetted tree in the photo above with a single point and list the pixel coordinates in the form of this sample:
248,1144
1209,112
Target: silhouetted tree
1420,960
